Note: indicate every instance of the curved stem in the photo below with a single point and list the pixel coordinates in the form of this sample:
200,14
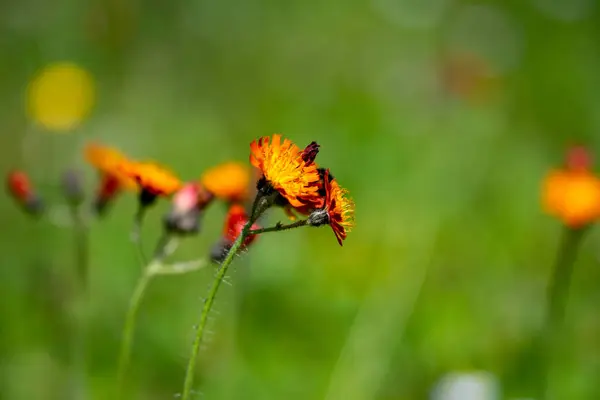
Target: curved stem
261,204
279,227
134,304
129,327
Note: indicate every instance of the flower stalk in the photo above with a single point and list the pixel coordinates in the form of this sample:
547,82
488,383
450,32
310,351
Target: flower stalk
279,227
166,245
260,205
558,290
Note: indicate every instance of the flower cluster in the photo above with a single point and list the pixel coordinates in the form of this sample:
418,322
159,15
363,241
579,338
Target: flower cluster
281,174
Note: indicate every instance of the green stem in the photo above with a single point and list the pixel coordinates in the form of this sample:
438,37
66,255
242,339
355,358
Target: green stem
136,234
79,303
279,227
129,327
208,302
261,204
134,304
557,300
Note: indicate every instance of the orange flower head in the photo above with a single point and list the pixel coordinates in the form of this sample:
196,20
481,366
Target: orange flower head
572,194
229,181
288,170
234,223
339,207
151,178
107,161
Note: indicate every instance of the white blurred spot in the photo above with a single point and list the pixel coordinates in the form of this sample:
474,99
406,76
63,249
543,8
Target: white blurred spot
489,33
420,14
564,10
467,386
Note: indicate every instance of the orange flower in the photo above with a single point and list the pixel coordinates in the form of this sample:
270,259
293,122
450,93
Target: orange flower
286,169
229,181
151,178
316,203
339,207
573,194
107,160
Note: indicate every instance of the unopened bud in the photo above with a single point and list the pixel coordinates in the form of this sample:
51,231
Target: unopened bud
72,187
310,153
579,159
19,187
318,218
184,217
108,189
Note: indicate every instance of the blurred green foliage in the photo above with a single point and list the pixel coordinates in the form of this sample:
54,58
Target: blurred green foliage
447,267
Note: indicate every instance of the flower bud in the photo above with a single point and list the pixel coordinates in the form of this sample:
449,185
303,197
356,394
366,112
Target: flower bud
579,159
72,187
310,153
109,188
186,210
318,217
19,187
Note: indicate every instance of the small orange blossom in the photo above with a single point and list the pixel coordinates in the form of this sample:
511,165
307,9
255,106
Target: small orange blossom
572,194
228,181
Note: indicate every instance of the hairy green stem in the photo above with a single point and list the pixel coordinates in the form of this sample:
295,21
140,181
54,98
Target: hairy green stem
279,227
260,205
556,302
208,302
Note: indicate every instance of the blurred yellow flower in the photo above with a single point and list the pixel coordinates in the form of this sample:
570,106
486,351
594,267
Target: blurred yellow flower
61,96
228,181
572,194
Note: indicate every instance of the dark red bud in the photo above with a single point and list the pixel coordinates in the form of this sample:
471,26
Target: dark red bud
579,158
310,153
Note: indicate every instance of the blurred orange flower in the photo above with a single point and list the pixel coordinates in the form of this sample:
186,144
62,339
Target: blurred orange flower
151,177
228,181
572,194
340,208
107,160
288,170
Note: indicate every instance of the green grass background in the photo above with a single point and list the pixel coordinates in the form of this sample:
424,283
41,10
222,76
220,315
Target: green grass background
447,267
